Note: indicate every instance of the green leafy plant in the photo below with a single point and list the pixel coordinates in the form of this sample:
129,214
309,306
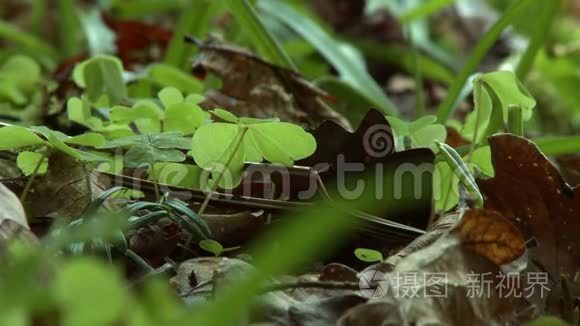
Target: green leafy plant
222,148
101,75
494,93
180,114
368,255
422,132
20,77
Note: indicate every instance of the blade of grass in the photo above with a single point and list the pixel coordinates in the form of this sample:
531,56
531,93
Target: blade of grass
558,145
68,26
37,16
446,107
33,45
200,9
424,10
547,11
257,32
332,50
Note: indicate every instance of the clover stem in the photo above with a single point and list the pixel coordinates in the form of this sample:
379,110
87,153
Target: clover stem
28,185
237,145
515,120
155,182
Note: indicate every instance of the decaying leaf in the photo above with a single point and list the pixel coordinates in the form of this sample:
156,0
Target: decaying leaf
13,222
255,88
412,297
10,207
66,189
529,191
490,235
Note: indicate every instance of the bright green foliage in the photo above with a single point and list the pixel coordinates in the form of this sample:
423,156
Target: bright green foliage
14,137
368,255
180,114
28,161
145,150
19,78
178,174
493,94
82,285
422,132
219,147
101,75
212,246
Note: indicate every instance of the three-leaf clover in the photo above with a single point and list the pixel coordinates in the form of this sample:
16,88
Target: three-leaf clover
180,113
223,147
145,150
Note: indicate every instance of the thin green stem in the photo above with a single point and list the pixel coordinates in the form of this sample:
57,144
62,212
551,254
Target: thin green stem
238,143
155,182
28,185
478,93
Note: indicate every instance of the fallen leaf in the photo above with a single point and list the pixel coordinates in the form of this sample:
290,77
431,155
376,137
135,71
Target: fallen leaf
410,297
255,88
13,222
67,189
529,191
10,207
490,235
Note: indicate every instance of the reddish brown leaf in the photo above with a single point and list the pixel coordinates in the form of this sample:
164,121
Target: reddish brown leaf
136,40
529,191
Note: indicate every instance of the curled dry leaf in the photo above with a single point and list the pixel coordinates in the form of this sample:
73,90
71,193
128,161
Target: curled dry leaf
529,191
255,88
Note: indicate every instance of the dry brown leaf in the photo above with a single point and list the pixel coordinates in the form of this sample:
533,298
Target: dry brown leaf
255,88
490,235
66,189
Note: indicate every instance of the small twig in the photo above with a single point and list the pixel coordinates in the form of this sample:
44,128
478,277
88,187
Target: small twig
327,285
